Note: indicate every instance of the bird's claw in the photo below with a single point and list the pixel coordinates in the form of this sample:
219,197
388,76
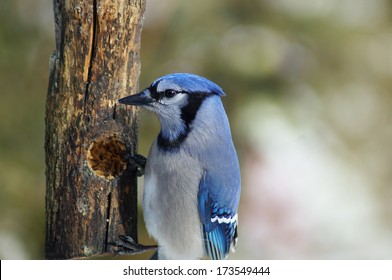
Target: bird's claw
127,246
138,162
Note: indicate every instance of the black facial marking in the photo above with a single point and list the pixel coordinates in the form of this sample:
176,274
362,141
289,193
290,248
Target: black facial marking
166,145
157,95
153,91
188,114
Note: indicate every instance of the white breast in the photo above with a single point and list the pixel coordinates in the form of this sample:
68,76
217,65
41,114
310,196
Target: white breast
170,209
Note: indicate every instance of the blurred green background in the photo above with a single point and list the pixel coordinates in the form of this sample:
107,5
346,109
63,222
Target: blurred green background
309,98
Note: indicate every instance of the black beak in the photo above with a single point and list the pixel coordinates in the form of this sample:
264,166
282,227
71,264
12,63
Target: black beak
141,99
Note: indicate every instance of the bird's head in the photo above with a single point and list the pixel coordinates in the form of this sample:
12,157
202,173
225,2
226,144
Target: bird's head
173,92
175,98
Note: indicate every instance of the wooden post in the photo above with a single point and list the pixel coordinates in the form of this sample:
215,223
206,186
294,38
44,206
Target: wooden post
90,188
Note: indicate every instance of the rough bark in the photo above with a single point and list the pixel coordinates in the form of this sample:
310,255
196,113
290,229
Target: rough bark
90,188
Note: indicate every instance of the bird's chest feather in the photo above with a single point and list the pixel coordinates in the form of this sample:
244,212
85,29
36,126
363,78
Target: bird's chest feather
171,186
171,180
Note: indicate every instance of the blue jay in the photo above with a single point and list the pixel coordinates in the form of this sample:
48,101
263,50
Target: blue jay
191,177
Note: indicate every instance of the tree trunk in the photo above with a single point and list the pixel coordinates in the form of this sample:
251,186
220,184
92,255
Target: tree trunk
90,189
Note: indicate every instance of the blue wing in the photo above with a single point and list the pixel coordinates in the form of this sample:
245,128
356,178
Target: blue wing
218,203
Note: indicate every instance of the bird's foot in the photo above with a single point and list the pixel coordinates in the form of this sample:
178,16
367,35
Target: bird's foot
127,246
138,162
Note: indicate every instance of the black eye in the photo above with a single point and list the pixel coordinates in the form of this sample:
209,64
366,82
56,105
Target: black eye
169,93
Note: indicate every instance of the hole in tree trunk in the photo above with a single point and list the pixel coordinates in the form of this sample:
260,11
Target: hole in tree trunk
106,157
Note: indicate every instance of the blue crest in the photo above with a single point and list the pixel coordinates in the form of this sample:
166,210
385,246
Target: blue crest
189,83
